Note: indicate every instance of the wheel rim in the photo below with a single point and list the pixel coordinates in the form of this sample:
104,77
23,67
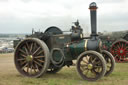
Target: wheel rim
110,62
90,67
120,51
30,58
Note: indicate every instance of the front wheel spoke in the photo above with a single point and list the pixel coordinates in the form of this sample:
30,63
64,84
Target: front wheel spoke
99,70
108,60
85,61
84,68
83,65
94,60
93,73
38,63
97,66
98,62
87,72
108,66
91,59
87,58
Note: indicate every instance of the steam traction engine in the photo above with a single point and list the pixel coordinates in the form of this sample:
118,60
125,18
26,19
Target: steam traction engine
117,44
50,51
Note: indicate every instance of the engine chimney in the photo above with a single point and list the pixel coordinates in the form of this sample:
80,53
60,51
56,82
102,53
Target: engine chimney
93,8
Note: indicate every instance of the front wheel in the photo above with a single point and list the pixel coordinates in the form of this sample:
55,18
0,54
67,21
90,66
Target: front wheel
91,65
110,61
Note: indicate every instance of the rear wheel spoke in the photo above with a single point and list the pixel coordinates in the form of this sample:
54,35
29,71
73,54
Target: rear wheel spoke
26,50
21,59
30,57
28,68
31,47
22,51
39,57
36,67
24,66
36,51
31,69
27,47
23,55
23,62
38,63
40,52
40,60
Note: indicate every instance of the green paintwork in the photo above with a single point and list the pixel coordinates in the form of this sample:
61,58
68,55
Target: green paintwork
75,49
57,55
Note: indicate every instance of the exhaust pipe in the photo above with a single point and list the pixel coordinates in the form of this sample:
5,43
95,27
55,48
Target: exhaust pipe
93,7
94,43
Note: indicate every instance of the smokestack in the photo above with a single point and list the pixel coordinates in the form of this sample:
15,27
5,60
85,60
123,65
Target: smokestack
93,8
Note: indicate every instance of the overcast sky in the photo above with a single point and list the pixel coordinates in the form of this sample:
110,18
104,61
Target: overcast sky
20,16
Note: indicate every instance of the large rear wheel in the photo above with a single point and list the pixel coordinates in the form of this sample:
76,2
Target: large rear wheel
31,57
91,65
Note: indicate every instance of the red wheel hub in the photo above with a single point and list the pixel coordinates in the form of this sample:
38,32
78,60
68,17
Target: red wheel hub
122,52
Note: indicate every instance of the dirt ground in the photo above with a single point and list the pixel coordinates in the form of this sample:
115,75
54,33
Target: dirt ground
6,63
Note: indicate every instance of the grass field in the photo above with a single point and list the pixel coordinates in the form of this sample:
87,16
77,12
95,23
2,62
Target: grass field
67,76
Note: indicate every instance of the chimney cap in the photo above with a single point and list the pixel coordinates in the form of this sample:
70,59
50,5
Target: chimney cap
93,6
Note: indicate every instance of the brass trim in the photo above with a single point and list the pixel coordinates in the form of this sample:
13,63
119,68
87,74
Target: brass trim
86,41
81,35
100,46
